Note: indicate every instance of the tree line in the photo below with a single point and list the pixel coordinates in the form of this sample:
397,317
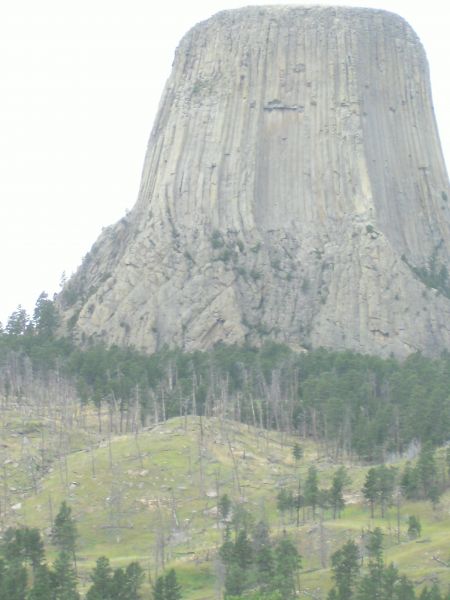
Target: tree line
352,405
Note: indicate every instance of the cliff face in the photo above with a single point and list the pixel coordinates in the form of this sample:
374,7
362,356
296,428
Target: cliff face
294,189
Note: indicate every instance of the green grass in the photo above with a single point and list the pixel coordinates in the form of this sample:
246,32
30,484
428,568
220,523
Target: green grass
130,492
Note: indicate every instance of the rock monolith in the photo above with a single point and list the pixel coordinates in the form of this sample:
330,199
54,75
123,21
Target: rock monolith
294,189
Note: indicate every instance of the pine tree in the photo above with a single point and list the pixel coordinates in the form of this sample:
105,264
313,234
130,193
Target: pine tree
345,566
159,592
265,567
409,484
414,527
243,551
385,485
65,578
427,473
64,533
134,576
288,563
340,480
18,322
224,507
404,589
13,580
370,489
101,588
235,580
312,489
43,585
371,585
45,316
119,585
172,587
297,453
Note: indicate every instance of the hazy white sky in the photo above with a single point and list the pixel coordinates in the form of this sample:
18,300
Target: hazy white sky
80,83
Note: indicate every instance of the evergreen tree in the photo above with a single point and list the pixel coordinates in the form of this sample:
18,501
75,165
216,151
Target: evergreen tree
385,485
235,581
159,591
45,316
409,483
119,585
43,585
345,566
371,585
427,473
370,489
101,588
336,495
65,578
172,587
414,527
224,507
18,322
288,562
134,577
297,453
285,501
404,589
243,550
64,533
13,580
312,489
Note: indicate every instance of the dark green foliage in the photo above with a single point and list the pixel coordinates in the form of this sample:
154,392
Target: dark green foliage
45,317
297,453
336,494
23,545
422,480
65,579
13,580
172,587
312,492
434,593
224,507
346,566
166,587
134,578
159,589
379,487
217,240
434,274
270,568
377,581
236,580
18,323
360,405
22,549
101,588
414,527
120,585
64,532
285,501
43,586
288,563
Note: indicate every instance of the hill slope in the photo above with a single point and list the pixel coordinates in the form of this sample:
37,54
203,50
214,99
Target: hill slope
153,498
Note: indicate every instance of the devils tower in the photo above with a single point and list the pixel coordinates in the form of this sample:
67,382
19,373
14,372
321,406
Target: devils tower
294,189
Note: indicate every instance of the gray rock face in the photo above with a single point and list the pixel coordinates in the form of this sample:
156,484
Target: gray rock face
294,188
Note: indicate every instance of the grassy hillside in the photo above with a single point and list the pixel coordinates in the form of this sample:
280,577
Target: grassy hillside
152,497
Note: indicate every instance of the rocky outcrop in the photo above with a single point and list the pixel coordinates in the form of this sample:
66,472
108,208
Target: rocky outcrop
294,188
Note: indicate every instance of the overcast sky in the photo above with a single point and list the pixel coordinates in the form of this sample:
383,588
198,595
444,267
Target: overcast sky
80,82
